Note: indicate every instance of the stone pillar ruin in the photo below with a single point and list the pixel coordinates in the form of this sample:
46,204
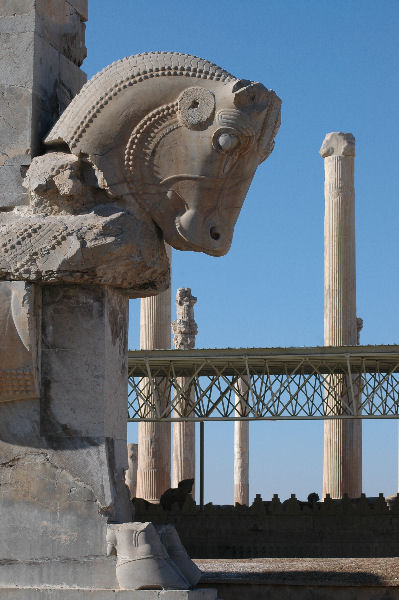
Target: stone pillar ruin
85,211
184,329
342,468
154,439
241,447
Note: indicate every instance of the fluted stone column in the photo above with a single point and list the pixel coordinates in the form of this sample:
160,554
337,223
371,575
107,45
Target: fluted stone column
153,465
185,330
342,468
131,472
241,447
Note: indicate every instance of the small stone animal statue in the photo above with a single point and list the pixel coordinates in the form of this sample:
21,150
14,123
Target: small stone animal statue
177,495
313,497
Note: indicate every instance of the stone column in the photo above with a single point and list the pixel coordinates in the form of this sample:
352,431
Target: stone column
131,473
241,447
154,440
342,468
185,330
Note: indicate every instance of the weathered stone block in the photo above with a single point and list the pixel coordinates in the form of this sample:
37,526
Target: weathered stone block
16,58
59,23
57,80
42,44
15,116
62,458
81,6
33,489
84,362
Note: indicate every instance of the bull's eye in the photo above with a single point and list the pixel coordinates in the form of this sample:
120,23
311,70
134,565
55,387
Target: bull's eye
226,142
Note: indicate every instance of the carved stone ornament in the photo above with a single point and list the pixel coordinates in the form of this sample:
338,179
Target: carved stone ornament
150,559
19,329
158,146
184,328
338,143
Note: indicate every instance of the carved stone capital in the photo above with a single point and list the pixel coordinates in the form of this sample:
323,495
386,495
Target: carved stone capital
117,182
184,328
337,143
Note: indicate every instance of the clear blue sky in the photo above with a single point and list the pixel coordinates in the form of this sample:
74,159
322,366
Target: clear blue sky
335,66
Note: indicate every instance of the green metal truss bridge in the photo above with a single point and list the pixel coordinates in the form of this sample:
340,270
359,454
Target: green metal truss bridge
264,384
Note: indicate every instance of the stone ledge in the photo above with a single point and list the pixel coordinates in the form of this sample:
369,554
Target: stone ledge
98,594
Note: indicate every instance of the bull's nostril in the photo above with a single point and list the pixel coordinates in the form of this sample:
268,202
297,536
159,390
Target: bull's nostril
215,235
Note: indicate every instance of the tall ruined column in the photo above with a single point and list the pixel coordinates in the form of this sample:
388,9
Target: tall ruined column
185,330
153,465
241,447
342,468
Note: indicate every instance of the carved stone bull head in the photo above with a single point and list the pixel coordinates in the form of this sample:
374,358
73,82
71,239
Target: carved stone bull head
159,146
179,136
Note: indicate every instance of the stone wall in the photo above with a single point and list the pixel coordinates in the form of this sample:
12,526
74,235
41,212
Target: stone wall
366,527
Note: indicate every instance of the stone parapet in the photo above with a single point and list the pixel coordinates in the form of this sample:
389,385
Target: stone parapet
290,528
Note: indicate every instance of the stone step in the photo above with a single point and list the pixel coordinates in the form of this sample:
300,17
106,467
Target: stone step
98,594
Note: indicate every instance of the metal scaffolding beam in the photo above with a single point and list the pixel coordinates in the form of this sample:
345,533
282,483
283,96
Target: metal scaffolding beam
284,383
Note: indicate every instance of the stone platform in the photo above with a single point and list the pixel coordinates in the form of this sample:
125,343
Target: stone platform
98,594
303,579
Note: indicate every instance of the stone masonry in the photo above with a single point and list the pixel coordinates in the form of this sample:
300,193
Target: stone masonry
43,47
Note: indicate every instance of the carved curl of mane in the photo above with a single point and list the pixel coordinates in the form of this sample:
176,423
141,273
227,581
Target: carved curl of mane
115,78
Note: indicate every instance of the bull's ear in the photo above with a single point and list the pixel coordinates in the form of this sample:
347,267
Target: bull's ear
270,127
250,95
196,107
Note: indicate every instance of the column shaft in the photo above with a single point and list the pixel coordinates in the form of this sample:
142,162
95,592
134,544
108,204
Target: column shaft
185,330
342,467
241,447
183,452
153,465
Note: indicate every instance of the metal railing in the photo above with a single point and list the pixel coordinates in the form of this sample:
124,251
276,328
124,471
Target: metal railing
281,383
